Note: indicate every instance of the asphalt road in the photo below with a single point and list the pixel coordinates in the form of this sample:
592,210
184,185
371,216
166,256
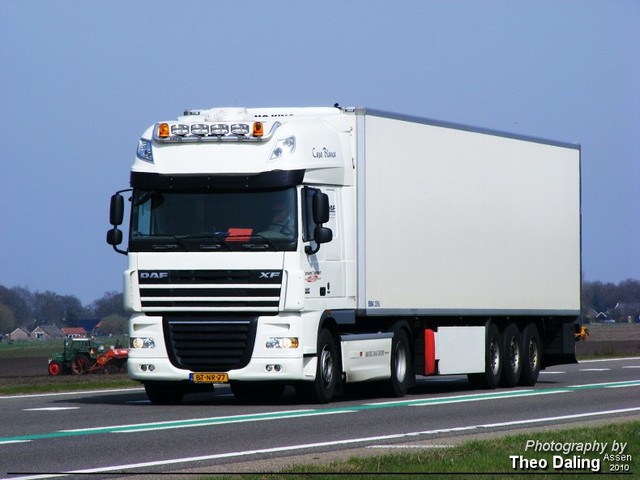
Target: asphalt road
119,432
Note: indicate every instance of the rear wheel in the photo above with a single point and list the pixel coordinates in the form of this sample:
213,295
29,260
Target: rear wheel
531,355
325,385
512,366
493,361
80,364
164,393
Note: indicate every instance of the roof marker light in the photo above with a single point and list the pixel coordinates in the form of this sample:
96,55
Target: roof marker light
144,151
283,147
258,129
163,130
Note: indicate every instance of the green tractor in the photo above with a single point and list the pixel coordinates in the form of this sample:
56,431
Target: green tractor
83,355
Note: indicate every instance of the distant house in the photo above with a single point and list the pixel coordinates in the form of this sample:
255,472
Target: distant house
47,332
74,332
19,334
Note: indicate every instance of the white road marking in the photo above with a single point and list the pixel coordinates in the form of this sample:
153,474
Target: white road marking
49,409
595,369
608,360
421,447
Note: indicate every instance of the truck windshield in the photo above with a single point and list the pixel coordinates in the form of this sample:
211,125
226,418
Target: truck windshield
199,221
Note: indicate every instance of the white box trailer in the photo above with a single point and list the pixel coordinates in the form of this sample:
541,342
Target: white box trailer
404,247
455,221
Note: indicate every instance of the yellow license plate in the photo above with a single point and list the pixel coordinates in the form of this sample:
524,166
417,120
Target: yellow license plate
209,378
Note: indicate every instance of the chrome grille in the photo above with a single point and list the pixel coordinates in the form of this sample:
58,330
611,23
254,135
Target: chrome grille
210,290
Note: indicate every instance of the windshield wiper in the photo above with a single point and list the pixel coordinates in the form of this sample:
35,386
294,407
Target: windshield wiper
171,246
262,246
213,236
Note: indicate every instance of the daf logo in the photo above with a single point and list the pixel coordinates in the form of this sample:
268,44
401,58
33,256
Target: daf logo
269,275
154,274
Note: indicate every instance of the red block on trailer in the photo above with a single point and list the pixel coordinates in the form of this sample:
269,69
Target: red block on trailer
429,352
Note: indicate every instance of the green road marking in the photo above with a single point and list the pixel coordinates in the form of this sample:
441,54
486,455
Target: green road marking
190,423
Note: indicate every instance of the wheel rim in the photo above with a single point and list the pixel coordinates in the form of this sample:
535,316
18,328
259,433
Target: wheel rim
533,355
79,365
514,354
494,357
401,363
326,366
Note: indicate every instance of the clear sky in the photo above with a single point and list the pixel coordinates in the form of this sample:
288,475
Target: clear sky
81,80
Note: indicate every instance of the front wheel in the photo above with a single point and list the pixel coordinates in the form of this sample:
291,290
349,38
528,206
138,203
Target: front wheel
54,368
325,385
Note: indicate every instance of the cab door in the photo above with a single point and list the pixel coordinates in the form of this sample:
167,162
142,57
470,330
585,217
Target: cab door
324,271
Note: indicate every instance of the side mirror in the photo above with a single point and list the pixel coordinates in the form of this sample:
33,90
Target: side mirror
116,215
320,208
114,237
116,212
322,235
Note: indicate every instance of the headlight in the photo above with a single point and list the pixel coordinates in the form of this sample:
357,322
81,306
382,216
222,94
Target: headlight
142,342
284,147
282,342
144,150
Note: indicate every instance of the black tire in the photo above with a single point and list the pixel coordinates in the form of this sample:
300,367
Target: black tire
490,378
512,365
531,356
164,393
325,385
401,368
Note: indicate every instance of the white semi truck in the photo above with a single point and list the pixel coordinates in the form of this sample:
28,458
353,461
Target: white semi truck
317,247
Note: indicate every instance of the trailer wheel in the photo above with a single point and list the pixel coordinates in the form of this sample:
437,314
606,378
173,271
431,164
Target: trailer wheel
512,367
79,364
325,385
164,394
493,361
54,368
397,385
531,355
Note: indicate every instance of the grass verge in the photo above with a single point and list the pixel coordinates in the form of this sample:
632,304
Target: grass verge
497,458
67,383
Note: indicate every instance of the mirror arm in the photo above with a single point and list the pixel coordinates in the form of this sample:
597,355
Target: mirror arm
309,250
119,250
